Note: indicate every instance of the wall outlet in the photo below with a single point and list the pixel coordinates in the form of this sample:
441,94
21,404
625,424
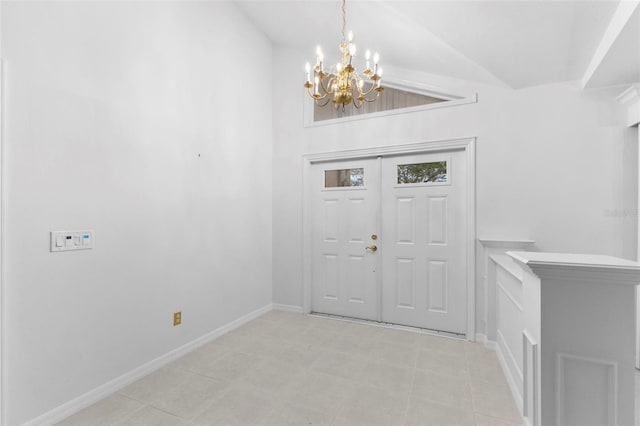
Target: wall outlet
177,318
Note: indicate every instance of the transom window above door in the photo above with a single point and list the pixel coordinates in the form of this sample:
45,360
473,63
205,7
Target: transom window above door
399,97
390,99
344,178
435,172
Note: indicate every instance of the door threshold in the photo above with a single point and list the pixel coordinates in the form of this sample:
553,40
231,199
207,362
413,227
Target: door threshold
418,330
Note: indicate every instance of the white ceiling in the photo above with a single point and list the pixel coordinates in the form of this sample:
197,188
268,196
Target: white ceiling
518,43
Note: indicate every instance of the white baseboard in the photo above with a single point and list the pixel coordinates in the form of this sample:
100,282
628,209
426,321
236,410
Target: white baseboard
488,344
71,407
287,308
481,338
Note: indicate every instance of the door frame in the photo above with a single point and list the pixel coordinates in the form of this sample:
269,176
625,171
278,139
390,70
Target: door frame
3,105
426,147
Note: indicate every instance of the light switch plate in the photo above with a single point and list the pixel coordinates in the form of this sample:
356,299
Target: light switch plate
71,240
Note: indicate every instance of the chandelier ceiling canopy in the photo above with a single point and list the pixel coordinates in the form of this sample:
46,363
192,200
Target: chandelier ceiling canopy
341,83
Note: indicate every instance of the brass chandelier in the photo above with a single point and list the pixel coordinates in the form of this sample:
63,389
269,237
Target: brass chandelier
342,83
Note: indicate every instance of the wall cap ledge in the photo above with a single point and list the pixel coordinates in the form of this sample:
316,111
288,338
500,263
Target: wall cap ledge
579,267
505,243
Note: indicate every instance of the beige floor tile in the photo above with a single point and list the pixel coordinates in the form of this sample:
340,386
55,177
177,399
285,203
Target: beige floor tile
149,416
294,415
272,374
388,377
472,349
244,335
232,366
301,354
396,354
338,364
290,369
238,405
199,360
369,406
265,347
317,336
486,368
428,413
318,391
482,420
351,343
393,336
494,377
153,386
108,411
362,331
477,354
191,397
442,344
495,401
442,388
442,362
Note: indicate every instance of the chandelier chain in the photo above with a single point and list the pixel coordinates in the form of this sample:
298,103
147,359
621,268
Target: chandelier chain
344,20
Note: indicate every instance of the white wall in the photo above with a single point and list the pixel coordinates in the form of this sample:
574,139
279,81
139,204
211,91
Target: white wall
554,164
148,123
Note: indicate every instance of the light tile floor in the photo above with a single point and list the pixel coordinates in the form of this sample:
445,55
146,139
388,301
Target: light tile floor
289,369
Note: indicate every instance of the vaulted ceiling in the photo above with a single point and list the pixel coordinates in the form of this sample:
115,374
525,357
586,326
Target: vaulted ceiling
516,43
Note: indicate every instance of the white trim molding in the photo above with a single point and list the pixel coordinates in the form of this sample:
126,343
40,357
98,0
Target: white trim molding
71,407
530,381
288,308
467,144
495,246
630,98
3,206
605,397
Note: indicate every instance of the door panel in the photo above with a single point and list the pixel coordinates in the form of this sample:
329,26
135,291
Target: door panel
344,280
423,250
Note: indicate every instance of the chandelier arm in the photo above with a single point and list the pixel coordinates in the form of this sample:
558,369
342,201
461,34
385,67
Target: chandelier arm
324,89
324,104
365,93
355,104
371,88
374,99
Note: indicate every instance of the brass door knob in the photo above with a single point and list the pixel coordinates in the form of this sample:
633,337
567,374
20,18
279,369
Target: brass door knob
373,247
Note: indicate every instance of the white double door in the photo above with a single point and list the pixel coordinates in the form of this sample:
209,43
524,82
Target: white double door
387,248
